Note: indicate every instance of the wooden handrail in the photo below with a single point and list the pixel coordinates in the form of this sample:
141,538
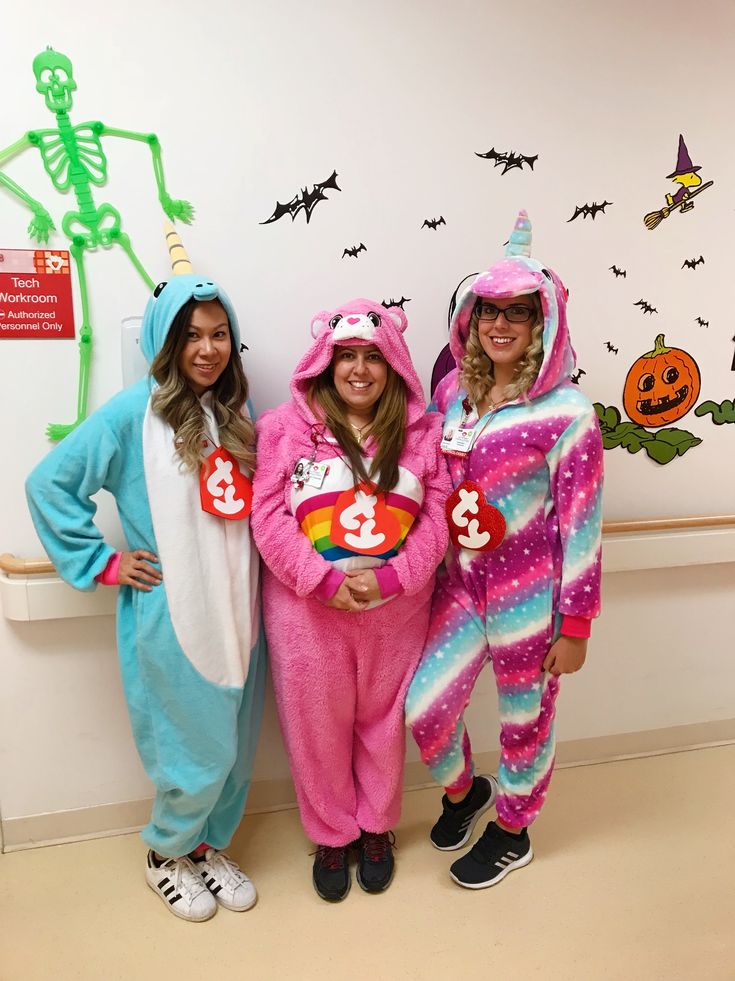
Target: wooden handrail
666,524
13,566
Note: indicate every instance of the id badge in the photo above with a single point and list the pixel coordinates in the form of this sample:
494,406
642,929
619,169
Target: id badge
457,441
309,472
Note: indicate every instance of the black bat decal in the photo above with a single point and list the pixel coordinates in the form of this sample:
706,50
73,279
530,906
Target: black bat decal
305,201
433,222
509,161
732,366
396,303
244,347
645,307
618,272
702,323
353,252
692,263
610,347
589,209
577,375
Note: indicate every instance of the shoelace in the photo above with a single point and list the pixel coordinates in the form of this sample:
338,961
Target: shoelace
186,879
329,857
227,870
376,846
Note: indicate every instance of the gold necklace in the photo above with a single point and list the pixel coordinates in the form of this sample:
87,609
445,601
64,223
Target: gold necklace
359,430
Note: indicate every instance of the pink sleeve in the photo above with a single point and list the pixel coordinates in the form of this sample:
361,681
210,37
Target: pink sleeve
388,582
329,585
575,626
285,549
427,540
108,576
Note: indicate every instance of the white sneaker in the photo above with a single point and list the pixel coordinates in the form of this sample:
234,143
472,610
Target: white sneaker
226,881
181,887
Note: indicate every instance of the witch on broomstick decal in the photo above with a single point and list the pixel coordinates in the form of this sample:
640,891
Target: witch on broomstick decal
686,175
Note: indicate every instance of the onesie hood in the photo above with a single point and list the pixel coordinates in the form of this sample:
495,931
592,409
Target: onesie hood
517,274
360,322
168,298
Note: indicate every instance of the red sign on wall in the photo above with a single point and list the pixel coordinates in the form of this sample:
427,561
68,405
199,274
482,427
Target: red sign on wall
35,294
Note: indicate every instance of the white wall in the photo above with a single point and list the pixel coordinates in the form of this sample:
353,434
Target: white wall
252,102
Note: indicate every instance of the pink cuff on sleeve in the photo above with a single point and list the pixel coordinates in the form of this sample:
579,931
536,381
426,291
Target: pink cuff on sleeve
329,585
575,626
108,576
388,582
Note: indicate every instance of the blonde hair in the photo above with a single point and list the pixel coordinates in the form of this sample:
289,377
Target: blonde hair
175,401
388,428
476,371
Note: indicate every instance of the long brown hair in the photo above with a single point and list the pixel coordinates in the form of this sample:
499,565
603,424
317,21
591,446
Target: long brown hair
175,401
388,428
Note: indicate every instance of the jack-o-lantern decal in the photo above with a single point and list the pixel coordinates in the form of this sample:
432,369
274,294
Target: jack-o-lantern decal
661,386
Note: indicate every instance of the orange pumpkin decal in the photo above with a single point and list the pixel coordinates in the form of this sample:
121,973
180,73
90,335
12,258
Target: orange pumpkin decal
661,386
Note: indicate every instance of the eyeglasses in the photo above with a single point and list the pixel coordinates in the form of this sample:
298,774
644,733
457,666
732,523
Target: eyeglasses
516,313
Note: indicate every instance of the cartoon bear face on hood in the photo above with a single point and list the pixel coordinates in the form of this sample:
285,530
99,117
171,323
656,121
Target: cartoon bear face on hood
359,322
517,274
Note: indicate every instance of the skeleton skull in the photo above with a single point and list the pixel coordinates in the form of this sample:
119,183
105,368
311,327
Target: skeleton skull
54,79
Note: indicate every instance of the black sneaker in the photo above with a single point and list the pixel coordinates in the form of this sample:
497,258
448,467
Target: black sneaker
331,873
491,858
376,864
454,827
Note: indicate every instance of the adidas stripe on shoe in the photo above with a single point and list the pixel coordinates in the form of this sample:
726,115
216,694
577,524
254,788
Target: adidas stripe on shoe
179,885
226,881
491,858
455,825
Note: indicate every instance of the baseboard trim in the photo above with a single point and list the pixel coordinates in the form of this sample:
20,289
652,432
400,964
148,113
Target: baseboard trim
126,817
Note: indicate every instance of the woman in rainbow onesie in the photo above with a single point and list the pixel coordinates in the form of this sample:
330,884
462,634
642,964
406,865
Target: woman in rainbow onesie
348,515
170,449
521,580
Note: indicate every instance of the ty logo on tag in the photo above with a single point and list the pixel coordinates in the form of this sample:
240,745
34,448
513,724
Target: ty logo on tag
361,522
223,489
473,523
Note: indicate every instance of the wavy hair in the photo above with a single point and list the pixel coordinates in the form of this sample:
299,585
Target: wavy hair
476,371
388,428
176,403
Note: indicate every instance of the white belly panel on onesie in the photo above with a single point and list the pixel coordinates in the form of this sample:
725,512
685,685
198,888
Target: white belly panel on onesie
209,564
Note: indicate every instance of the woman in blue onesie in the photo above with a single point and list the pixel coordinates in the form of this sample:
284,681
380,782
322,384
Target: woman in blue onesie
176,452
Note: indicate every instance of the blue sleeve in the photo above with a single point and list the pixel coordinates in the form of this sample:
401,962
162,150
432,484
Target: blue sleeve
59,492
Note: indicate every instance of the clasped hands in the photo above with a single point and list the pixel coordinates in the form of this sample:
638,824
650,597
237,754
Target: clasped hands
356,591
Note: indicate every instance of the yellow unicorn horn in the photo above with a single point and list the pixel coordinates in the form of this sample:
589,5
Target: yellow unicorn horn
179,259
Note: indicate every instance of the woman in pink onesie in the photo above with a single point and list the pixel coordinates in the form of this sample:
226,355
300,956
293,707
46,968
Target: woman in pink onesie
348,515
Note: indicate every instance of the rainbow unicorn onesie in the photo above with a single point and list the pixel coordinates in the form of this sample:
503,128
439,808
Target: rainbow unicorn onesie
538,460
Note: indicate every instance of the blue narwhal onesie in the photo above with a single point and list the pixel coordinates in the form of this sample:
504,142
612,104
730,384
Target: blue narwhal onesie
191,651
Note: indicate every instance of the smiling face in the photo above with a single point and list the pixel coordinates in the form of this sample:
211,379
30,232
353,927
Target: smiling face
503,340
207,347
360,374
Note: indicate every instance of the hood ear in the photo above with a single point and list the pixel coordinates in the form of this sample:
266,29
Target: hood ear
319,321
397,317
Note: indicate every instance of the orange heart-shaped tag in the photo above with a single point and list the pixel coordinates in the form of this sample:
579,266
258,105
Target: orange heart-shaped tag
473,523
362,523
223,489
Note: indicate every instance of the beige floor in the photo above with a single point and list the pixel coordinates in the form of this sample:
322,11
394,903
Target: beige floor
634,878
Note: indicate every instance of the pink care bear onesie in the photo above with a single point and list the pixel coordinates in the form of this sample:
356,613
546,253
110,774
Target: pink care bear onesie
340,677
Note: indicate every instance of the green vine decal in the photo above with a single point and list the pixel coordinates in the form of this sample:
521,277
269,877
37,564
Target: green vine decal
722,413
662,446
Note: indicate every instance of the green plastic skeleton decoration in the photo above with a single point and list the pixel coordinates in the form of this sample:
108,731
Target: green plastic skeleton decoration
73,158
